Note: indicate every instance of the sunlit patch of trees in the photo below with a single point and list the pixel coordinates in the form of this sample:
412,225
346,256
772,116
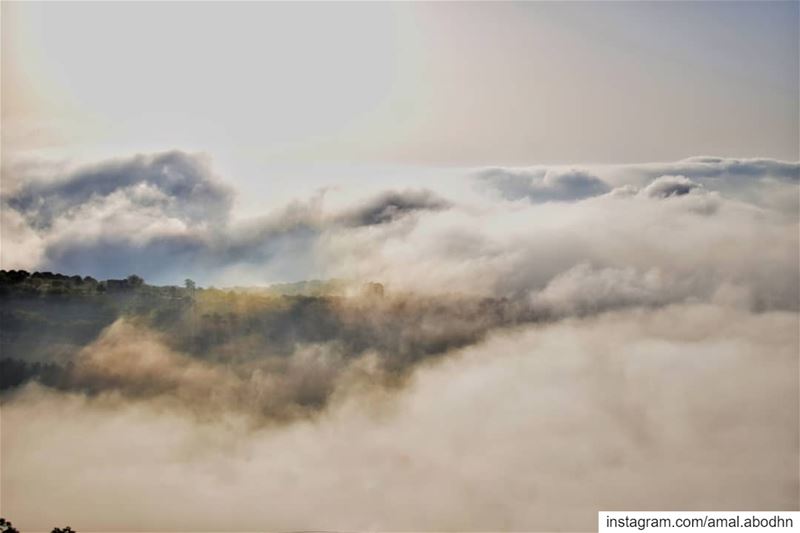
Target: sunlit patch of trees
246,331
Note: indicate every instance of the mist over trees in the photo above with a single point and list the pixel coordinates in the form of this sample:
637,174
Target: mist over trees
289,346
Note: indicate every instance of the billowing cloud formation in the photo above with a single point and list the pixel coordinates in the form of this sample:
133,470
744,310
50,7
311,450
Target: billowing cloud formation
667,186
690,407
392,205
706,243
705,166
577,339
141,214
765,182
166,216
545,185
586,290
175,184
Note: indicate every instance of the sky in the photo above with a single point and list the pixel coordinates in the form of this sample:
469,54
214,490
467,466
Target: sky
402,84
289,101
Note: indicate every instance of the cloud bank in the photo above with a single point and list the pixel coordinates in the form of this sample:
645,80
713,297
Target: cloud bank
167,217
544,185
685,408
547,342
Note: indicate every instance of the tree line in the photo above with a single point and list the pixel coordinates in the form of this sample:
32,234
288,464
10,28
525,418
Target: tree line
7,527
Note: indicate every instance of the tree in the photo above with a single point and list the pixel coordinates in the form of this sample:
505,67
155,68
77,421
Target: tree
135,281
189,284
6,527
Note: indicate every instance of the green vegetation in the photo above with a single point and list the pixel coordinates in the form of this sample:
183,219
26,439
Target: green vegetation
46,317
301,336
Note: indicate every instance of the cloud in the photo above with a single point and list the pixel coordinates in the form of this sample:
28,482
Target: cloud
667,186
166,216
20,245
690,407
391,206
767,183
580,338
764,182
267,357
152,223
178,184
707,166
549,185
145,214
138,363
502,249
586,290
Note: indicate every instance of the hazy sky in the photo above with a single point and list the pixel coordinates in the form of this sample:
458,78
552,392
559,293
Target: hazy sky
402,84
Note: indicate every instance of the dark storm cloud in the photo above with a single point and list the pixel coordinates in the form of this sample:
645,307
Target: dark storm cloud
544,185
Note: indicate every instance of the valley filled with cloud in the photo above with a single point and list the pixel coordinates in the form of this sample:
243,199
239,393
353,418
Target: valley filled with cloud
515,352
397,266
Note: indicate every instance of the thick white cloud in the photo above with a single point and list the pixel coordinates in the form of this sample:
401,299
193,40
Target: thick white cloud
641,353
691,407
703,240
708,222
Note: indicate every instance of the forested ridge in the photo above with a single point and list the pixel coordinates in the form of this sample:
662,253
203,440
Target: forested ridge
50,322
